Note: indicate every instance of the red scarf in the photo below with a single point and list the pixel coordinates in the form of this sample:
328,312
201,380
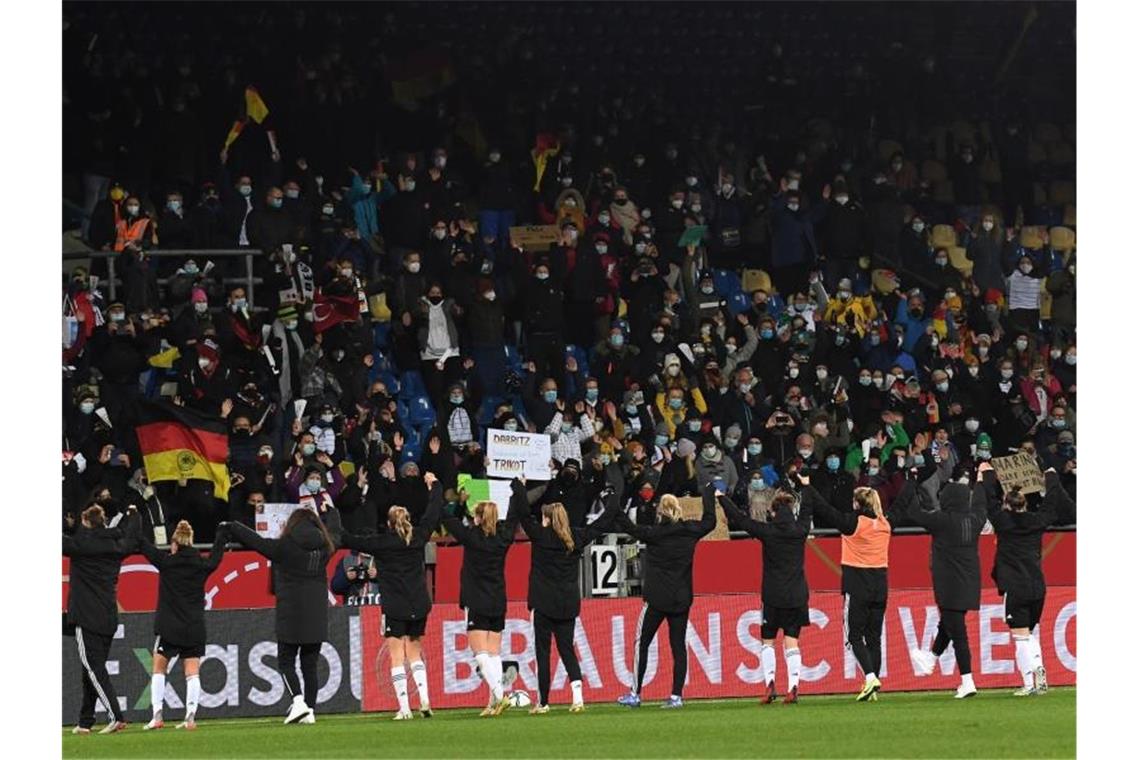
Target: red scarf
249,338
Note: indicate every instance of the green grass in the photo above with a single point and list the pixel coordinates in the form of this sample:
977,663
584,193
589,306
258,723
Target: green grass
931,724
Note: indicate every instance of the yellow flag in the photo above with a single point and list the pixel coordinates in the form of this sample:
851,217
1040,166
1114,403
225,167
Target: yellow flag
254,106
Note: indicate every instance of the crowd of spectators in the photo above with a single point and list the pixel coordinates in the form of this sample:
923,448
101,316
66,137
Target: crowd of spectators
884,274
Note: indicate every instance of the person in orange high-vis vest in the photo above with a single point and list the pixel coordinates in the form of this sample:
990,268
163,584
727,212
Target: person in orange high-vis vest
133,229
866,540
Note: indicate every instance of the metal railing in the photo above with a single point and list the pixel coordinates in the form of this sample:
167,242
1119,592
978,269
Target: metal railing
114,282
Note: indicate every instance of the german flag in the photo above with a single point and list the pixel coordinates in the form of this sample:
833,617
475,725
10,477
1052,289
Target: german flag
180,444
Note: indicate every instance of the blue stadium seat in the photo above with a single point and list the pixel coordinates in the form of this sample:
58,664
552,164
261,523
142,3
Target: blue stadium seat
739,303
487,410
727,283
412,385
420,412
380,333
391,382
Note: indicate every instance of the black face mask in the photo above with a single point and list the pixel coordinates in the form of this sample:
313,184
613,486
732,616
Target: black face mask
435,300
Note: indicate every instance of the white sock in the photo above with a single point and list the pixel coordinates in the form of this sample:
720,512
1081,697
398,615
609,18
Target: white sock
792,658
968,680
495,676
576,692
193,692
1023,656
483,661
1035,653
419,675
768,662
157,692
400,684
869,677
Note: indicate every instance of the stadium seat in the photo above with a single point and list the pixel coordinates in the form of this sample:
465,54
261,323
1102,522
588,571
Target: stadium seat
412,385
380,333
1036,153
420,411
1069,217
943,236
1062,192
756,279
934,171
1062,239
888,148
727,283
1033,237
738,303
486,413
959,261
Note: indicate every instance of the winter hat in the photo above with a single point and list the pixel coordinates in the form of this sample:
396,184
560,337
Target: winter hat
685,447
734,430
602,237
1066,436
287,312
993,295
661,429
672,359
572,464
844,284
197,295
985,442
208,349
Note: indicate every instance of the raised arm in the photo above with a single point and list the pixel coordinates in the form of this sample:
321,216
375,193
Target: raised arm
266,547
455,527
600,525
644,533
741,521
518,507
845,522
130,541
1057,503
217,551
916,510
708,511
430,521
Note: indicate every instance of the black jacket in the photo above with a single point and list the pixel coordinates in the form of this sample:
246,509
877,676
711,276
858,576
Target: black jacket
299,578
784,584
96,554
668,581
482,587
403,585
181,603
553,585
1017,564
954,528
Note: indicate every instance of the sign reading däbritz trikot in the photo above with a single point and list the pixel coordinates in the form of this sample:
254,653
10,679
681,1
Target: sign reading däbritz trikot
511,454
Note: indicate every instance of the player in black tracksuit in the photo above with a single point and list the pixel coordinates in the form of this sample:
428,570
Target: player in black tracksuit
954,529
1017,569
553,596
180,622
96,552
482,587
404,596
866,532
300,583
784,589
667,585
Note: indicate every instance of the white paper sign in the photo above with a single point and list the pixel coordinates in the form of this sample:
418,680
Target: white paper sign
271,518
513,454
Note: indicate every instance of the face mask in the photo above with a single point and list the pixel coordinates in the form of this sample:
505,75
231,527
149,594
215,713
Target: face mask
1071,359
550,396
661,440
490,295
292,194
190,269
604,459
919,460
821,374
174,205
201,307
567,181
840,340
672,370
203,362
709,453
327,210
940,262
631,409
346,272
754,449
238,304
677,203
542,276
591,394
410,185
640,246
832,464
793,207
413,267
804,453
603,219
1026,268
1055,353
918,226
983,351
793,184
984,454
567,427
245,189
942,387
87,407
617,340
314,486
1058,424
878,382
865,380
494,157
872,471
756,484
601,249
694,426
1022,345
973,370
291,324
876,340
675,403
657,336
842,200
327,418
726,188
309,449
707,290
987,225
730,442
572,235
744,388
794,372
456,398
133,210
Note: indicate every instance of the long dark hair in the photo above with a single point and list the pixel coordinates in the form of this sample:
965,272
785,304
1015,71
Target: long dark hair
306,515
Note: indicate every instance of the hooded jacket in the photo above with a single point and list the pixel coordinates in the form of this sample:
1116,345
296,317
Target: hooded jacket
1017,563
482,587
181,614
96,554
784,584
954,525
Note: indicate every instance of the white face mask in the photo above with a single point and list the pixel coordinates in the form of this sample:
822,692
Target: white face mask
972,426
987,225
842,200
973,370
490,295
439,234
794,372
793,184
677,203
203,362
414,267
793,207
918,226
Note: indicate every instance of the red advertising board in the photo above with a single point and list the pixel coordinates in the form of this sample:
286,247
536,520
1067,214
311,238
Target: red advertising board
720,567
724,650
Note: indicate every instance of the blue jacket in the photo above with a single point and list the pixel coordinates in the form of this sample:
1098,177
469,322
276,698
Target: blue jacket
793,233
915,327
365,205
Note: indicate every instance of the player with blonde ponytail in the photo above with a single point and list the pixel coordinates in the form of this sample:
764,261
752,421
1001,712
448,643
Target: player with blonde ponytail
553,596
399,556
180,621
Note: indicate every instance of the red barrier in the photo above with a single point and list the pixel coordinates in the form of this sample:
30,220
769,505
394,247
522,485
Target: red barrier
720,567
723,647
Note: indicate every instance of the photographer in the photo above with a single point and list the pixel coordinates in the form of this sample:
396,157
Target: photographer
355,580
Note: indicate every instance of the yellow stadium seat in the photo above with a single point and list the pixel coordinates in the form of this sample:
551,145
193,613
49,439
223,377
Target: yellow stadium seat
1062,192
756,279
959,260
1033,237
942,236
1070,217
933,171
990,171
1047,132
944,191
378,307
1061,153
1036,152
1062,239
1046,302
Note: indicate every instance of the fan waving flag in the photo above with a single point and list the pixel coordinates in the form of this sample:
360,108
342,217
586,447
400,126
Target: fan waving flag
255,109
330,311
180,444
545,146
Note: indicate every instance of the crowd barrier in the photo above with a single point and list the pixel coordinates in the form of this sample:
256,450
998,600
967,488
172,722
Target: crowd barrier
239,677
720,567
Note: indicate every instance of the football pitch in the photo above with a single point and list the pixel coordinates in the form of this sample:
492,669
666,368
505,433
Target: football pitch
926,724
